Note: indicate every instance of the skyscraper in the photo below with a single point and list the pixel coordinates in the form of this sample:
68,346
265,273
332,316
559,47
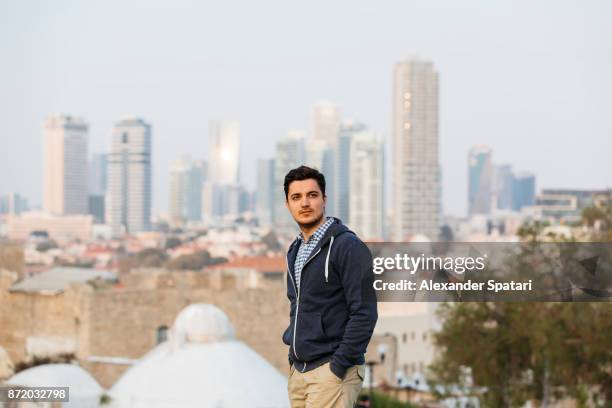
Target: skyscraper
13,203
265,191
481,180
502,186
523,190
416,169
366,186
65,165
224,152
289,155
186,181
318,154
342,171
326,122
222,191
128,204
98,172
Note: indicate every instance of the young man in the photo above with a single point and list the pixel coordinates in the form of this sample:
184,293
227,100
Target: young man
333,303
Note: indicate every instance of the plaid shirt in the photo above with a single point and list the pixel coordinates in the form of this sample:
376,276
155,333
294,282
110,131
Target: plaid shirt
306,248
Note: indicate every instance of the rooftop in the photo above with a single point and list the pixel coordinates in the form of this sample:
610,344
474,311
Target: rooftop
259,263
56,280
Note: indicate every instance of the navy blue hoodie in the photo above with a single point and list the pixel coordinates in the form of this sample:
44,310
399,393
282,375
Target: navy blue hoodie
333,315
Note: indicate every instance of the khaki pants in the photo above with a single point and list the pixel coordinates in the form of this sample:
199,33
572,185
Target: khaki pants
320,388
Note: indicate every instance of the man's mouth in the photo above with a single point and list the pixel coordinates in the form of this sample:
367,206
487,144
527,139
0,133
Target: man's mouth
305,212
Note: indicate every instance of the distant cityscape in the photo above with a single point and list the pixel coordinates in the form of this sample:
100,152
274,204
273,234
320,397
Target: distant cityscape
109,194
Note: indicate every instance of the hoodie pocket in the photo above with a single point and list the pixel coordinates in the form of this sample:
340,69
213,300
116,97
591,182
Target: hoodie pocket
310,340
287,335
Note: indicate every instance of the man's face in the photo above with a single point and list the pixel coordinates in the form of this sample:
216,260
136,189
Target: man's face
306,202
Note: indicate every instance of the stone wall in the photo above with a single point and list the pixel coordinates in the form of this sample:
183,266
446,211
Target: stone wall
122,321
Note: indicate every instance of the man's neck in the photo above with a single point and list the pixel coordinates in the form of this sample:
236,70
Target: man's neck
307,231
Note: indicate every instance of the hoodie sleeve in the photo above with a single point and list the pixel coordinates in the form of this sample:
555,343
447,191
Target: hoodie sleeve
357,276
292,299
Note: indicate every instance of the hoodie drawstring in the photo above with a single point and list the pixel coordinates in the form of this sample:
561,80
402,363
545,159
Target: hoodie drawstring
327,258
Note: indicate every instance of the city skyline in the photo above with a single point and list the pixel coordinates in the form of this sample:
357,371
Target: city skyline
529,94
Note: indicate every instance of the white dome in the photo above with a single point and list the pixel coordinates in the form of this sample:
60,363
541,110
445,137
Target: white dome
209,368
201,323
84,389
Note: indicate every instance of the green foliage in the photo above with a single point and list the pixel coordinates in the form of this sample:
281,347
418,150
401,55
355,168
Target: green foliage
602,217
515,352
380,400
64,358
523,351
147,258
46,245
172,243
271,241
193,262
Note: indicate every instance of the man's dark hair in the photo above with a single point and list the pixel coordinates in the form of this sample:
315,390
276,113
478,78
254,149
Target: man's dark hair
304,173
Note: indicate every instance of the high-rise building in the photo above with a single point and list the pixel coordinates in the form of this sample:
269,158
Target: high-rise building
224,152
342,172
523,190
502,187
222,201
186,181
129,194
65,165
366,171
481,179
265,191
13,203
222,191
318,154
416,168
289,155
98,172
326,122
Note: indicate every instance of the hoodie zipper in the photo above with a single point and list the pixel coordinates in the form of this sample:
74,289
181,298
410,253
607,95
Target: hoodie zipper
297,304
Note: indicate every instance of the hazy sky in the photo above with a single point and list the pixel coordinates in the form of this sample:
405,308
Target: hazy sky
531,79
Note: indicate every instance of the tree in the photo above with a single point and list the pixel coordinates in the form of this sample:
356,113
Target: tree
172,243
271,241
193,262
515,352
147,258
524,351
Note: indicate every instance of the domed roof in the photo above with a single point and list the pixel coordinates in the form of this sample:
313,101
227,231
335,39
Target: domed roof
201,323
201,365
84,389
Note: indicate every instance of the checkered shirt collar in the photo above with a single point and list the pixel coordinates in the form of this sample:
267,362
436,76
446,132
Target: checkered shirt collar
318,234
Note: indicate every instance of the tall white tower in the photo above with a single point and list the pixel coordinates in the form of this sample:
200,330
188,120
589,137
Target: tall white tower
65,164
224,152
416,168
325,122
129,177
366,208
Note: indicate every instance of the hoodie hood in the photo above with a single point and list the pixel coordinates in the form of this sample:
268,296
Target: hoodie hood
336,229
